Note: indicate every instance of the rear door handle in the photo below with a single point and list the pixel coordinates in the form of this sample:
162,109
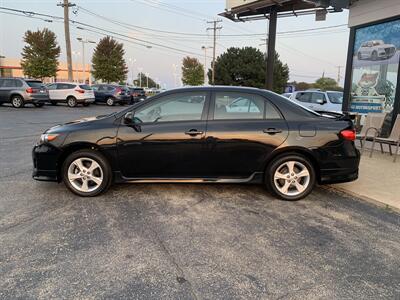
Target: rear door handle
193,132
272,131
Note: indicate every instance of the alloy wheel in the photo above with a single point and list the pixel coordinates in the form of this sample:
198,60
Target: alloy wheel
71,102
16,102
85,174
292,178
110,101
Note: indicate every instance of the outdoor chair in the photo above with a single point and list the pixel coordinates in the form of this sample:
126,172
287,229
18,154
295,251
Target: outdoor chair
392,140
371,129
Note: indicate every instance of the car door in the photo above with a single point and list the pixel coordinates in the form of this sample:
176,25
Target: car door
64,90
239,143
7,86
167,139
52,88
98,93
304,98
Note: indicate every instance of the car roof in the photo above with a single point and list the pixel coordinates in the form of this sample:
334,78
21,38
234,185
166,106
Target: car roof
66,82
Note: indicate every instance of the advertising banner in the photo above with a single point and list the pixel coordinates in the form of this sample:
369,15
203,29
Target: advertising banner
375,67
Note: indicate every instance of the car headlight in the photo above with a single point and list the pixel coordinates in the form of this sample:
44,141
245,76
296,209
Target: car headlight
48,137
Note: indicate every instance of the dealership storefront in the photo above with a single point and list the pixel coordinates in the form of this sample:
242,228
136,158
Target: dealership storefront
372,81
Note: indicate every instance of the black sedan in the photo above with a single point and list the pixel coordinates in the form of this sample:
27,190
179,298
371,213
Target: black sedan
207,135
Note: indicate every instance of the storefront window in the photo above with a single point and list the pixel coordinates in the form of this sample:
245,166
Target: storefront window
375,67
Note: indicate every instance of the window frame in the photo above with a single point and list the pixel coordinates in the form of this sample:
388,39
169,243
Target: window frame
154,100
211,113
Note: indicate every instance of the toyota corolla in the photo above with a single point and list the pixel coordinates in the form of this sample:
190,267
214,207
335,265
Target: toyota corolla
205,135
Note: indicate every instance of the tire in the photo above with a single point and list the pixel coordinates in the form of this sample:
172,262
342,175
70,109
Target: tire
71,102
86,104
110,101
53,103
38,104
83,182
278,178
17,101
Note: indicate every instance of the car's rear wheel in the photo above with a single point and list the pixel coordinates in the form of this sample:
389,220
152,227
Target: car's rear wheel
87,173
290,177
53,103
110,101
86,104
17,101
71,102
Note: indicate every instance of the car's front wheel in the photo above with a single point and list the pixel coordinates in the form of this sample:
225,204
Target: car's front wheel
290,177
87,173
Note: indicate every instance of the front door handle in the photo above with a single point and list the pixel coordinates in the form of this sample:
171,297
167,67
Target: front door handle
193,132
272,131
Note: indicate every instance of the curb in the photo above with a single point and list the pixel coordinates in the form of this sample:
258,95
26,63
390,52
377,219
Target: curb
362,197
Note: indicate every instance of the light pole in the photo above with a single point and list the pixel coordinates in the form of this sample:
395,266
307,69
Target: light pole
84,41
174,66
205,62
132,61
147,80
140,76
75,54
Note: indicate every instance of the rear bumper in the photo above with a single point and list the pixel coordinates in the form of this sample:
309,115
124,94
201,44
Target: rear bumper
45,158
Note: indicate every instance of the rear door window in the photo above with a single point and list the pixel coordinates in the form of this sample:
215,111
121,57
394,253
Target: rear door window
315,97
65,86
233,106
9,83
303,97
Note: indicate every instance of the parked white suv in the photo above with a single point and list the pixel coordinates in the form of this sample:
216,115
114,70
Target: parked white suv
377,49
318,100
70,92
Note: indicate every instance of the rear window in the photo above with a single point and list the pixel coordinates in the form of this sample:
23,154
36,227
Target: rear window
336,98
35,84
85,87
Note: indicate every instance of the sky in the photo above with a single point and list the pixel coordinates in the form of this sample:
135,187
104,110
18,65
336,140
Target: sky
308,54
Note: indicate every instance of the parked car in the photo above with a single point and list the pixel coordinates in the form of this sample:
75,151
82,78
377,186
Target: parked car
21,91
111,94
287,95
71,93
170,138
376,49
137,94
329,101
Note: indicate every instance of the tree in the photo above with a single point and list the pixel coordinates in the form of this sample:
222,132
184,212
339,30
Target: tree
327,84
108,63
192,71
40,55
247,67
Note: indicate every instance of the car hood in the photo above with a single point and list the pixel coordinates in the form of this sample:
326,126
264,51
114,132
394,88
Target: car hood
78,124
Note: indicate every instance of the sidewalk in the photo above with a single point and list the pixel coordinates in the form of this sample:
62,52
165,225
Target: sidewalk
379,180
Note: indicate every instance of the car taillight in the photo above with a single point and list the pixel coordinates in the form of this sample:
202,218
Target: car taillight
118,90
80,91
348,134
29,90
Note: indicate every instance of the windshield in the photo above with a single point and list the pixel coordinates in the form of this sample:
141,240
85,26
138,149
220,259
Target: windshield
36,84
335,97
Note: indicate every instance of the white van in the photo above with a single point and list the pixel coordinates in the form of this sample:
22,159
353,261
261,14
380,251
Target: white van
318,100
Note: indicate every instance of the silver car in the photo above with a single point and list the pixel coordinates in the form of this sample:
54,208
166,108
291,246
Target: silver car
20,91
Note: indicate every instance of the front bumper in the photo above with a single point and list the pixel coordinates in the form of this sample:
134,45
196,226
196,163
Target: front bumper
45,158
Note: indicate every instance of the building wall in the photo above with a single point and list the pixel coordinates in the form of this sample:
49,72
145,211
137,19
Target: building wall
11,67
366,11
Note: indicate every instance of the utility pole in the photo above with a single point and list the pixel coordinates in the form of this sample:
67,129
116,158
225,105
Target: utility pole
214,29
338,74
66,5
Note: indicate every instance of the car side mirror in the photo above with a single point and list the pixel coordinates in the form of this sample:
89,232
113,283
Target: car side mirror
321,101
128,118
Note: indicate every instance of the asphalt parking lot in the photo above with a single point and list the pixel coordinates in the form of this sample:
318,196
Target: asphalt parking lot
181,241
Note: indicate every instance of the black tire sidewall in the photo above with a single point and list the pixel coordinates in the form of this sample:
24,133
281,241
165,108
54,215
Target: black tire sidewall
270,171
100,159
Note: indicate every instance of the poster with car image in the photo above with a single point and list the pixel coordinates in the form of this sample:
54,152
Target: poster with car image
375,67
